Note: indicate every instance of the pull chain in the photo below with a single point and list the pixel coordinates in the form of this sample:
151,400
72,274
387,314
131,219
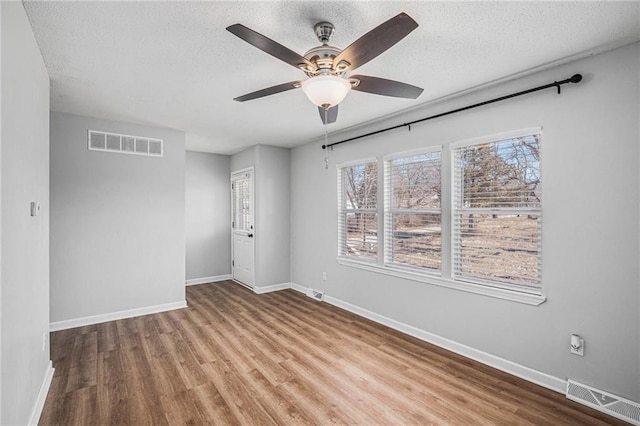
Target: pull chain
326,137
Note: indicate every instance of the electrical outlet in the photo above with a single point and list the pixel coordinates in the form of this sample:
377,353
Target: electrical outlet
324,276
577,345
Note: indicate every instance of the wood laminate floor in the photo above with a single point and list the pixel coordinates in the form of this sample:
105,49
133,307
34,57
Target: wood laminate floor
234,357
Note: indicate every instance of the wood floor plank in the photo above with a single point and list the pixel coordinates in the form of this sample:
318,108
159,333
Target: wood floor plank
352,399
83,401
82,374
213,406
184,361
279,405
108,337
234,357
240,399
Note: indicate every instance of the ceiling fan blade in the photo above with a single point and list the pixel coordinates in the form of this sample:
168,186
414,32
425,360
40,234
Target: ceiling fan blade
376,41
269,46
382,86
331,115
269,91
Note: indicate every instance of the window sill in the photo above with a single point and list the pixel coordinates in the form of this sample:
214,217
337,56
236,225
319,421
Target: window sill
499,293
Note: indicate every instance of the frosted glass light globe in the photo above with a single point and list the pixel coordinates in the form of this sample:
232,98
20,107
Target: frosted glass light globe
326,91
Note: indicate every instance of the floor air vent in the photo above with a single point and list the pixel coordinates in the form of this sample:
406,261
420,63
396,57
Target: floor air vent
315,294
124,144
602,401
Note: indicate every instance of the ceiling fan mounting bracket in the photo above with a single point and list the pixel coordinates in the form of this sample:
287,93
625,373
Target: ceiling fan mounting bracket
324,31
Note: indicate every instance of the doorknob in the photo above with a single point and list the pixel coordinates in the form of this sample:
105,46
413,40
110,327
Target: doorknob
250,235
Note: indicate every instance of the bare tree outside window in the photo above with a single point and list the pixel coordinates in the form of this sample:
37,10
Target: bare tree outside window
414,210
358,213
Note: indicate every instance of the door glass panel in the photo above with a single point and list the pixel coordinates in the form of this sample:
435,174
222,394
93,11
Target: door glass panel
241,204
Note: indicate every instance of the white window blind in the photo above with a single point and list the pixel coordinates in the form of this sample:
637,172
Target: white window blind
497,213
357,213
413,231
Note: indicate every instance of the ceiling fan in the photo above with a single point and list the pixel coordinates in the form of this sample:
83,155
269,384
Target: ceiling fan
327,66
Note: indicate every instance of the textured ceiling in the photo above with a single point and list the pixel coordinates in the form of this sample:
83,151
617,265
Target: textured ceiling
173,64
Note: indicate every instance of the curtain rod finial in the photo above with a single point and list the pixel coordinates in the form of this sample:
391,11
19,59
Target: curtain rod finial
576,78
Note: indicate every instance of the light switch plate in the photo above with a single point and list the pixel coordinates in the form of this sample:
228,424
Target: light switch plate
35,208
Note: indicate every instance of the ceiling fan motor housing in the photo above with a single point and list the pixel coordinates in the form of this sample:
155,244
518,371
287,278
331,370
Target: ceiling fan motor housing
322,56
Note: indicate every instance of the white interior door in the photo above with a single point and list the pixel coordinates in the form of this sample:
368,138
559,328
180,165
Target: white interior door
242,205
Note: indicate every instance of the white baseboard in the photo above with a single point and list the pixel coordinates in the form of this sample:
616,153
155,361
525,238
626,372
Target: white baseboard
526,373
97,319
299,288
270,288
36,412
206,280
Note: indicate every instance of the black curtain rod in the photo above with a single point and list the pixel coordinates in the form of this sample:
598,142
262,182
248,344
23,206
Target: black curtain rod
576,78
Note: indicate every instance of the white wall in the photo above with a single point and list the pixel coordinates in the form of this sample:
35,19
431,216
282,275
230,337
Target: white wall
24,264
244,159
590,175
117,221
273,216
272,194
208,215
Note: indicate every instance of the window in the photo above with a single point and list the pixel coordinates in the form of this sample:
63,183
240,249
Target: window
485,238
496,213
412,211
358,215
241,201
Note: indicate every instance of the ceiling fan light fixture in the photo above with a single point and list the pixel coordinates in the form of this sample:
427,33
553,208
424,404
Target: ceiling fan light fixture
326,91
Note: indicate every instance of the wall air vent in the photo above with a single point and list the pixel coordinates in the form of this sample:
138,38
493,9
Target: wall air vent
124,144
612,405
315,294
